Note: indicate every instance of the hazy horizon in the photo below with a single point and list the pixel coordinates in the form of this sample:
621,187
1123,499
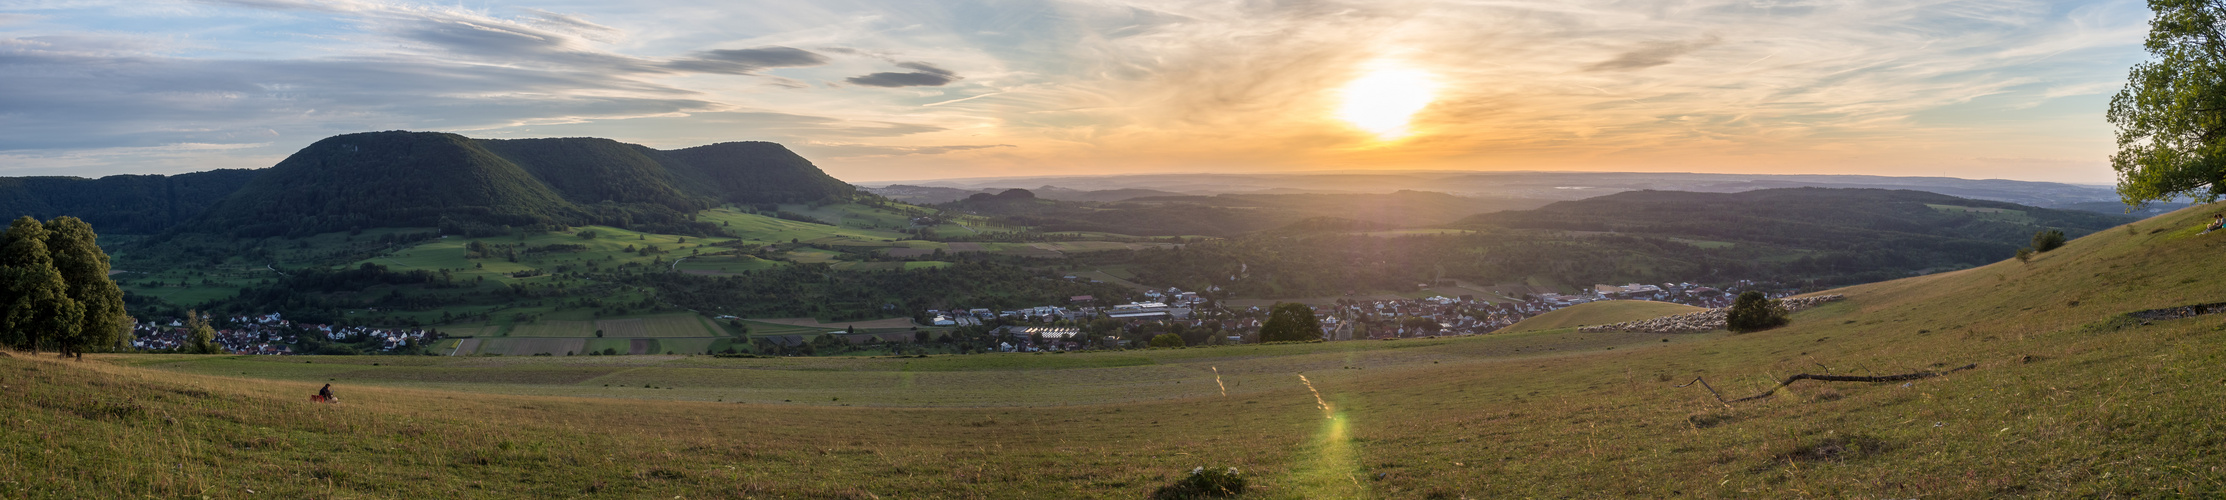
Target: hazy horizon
881,91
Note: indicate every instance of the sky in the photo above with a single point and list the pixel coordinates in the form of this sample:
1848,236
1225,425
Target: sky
927,89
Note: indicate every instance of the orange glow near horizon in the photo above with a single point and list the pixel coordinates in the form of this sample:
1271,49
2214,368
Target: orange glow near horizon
1384,99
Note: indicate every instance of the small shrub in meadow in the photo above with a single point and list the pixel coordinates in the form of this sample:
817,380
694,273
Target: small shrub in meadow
1203,483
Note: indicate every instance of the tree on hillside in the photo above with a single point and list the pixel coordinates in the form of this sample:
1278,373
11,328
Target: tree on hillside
1754,312
1167,340
2048,239
2171,140
35,305
1290,321
84,269
200,338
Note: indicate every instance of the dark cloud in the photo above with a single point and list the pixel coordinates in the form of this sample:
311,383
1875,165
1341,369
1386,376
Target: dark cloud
69,97
456,70
1653,54
539,38
511,44
743,61
922,75
926,68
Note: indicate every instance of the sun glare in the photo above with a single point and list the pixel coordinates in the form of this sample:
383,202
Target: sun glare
1385,99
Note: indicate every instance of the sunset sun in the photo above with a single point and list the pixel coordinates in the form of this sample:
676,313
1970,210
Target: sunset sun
1385,98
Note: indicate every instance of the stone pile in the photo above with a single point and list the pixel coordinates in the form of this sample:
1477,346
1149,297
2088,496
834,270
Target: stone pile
2180,312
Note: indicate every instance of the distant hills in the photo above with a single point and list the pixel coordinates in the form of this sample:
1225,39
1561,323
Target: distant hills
406,179
1228,214
928,195
121,204
425,179
1542,185
1804,236
1816,218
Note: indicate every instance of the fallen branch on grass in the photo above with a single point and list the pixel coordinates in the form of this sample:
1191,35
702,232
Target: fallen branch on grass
1826,378
1711,390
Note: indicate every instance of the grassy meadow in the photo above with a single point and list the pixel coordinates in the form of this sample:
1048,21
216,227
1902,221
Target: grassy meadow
2070,398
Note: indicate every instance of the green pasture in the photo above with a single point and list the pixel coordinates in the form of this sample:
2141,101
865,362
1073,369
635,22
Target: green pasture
725,264
1704,243
2002,214
852,215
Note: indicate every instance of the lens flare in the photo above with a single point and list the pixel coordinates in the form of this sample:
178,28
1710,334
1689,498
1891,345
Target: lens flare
1385,98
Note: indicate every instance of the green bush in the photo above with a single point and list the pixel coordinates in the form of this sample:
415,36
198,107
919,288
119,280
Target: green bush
2049,239
1290,321
1753,312
1203,483
1167,340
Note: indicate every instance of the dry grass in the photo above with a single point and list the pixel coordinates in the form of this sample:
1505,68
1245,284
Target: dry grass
2070,400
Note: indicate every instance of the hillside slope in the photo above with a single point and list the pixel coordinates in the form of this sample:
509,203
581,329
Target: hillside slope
1599,313
2069,397
422,179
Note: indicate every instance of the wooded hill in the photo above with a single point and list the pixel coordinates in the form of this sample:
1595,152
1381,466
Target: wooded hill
425,179
1920,225
121,204
1809,236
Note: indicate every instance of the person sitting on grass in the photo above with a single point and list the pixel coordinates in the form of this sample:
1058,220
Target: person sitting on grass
326,393
2217,221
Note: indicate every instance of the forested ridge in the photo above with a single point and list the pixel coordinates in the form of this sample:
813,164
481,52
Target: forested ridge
1809,236
1810,218
426,179
121,204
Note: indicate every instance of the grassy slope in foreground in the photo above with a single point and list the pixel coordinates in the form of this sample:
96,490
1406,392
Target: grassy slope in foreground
1600,313
2069,399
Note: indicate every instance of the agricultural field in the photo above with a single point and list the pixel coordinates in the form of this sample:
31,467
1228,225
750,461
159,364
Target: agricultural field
811,256
669,325
532,346
2002,214
1711,245
856,216
180,286
1096,246
816,324
764,229
723,264
553,328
